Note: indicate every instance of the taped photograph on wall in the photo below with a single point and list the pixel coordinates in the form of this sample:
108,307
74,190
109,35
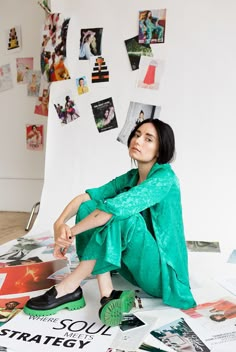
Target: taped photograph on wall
13,39
34,137
23,66
137,112
5,77
135,50
90,43
100,71
150,72
81,84
152,24
53,48
104,114
41,108
33,85
66,108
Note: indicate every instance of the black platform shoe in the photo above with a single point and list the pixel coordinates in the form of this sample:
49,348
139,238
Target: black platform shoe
115,305
48,304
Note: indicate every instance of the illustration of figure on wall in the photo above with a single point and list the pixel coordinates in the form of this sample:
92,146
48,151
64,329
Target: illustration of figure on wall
81,84
100,71
104,115
150,72
152,25
90,43
53,48
13,38
34,137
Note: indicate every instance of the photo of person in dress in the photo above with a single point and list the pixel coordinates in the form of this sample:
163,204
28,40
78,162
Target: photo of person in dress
90,43
150,73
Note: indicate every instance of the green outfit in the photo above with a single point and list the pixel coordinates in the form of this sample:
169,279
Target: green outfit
144,239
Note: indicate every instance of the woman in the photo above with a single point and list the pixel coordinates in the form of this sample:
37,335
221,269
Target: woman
86,45
132,224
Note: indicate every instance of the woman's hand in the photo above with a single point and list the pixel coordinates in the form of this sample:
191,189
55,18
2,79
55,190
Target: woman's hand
63,240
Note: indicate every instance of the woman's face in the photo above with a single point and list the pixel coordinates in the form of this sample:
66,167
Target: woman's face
144,146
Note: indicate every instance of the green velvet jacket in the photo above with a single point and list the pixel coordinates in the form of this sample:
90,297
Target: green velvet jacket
160,192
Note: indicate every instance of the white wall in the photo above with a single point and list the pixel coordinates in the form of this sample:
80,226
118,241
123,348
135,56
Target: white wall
21,170
197,96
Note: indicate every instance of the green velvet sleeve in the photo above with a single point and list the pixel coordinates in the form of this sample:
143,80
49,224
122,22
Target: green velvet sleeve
114,187
151,191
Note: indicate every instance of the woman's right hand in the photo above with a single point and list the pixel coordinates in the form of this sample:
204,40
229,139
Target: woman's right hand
63,240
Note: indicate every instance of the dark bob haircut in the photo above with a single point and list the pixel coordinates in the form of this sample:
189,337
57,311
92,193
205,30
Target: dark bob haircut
166,139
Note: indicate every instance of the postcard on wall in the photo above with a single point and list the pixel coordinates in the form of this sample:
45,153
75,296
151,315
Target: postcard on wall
135,50
90,43
5,78
152,25
67,110
11,306
81,85
150,72
23,66
104,114
203,246
41,107
137,112
53,48
180,336
100,72
34,137
33,84
13,39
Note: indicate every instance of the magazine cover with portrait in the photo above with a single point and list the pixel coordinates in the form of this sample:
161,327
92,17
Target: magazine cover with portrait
104,114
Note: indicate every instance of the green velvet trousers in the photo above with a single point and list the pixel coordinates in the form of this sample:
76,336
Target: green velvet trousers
124,245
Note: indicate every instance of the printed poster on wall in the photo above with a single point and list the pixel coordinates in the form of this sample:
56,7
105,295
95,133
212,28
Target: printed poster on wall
34,137
13,39
53,48
41,107
90,43
23,66
152,24
137,112
104,114
5,78
135,50
67,110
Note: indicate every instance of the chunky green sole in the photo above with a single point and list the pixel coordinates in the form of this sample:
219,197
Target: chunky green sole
111,314
69,305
